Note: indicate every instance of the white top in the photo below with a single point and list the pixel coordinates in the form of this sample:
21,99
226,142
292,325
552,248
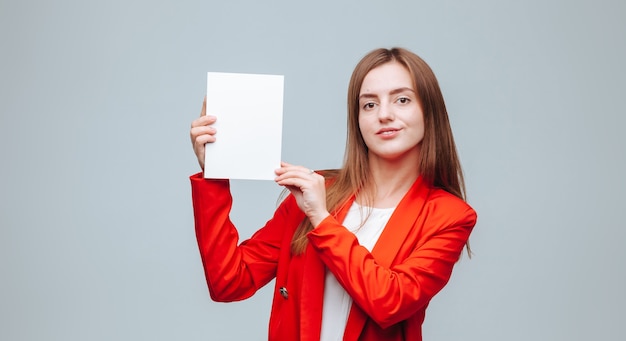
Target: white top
337,302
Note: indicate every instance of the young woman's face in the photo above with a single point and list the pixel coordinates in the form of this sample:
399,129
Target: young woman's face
390,115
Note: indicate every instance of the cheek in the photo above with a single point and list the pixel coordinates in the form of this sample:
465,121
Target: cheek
362,125
418,120
365,123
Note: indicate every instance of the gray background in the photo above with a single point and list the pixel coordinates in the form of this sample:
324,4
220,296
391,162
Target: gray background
96,99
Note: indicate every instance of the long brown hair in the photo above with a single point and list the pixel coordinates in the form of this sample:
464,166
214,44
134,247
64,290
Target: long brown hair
439,163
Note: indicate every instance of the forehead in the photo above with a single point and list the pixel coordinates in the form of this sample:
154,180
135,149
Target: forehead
387,77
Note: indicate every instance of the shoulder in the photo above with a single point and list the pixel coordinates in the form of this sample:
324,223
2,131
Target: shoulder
444,199
449,209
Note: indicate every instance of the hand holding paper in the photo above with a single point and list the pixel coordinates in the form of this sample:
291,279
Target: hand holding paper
202,133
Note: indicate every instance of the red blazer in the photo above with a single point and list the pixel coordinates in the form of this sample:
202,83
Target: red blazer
390,287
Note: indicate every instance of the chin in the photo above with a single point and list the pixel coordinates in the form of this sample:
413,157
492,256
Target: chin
395,155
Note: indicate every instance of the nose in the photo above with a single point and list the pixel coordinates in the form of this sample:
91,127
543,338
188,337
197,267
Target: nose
385,112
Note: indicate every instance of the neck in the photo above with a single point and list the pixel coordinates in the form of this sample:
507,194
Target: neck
390,180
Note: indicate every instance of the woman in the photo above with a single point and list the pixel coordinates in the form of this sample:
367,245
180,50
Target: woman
357,253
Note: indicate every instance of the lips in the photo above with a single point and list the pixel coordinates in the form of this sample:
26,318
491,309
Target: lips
387,131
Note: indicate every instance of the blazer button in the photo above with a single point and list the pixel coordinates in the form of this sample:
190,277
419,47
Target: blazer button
283,292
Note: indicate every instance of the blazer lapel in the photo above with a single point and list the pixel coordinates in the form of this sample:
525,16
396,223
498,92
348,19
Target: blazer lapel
400,224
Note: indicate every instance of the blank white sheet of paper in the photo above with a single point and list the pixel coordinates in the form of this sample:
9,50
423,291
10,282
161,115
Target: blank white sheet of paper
249,111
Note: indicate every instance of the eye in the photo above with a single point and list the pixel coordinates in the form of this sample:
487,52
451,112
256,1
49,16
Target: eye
368,105
404,100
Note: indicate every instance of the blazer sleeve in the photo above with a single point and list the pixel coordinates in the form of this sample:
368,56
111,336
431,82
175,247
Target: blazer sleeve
389,295
233,272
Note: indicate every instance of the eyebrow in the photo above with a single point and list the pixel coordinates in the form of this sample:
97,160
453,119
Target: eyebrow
392,92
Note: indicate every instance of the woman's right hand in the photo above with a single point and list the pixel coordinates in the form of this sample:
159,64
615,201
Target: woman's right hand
202,133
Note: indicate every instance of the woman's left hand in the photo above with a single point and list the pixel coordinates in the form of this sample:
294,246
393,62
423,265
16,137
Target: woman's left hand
309,189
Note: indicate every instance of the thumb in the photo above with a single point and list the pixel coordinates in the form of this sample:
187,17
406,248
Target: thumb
203,112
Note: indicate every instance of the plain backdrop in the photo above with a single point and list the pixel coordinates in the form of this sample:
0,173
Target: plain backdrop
96,100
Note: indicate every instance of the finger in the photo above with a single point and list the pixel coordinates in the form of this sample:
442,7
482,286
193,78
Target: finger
203,121
295,181
287,167
303,174
293,190
202,130
203,111
201,140
202,134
